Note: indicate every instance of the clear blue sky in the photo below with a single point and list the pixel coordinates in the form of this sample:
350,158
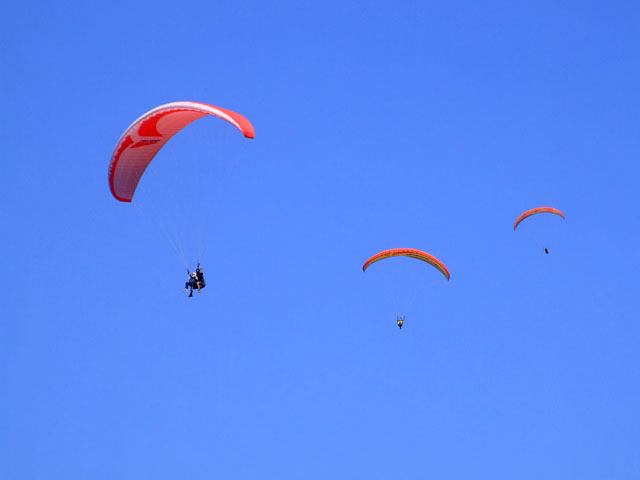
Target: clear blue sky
378,124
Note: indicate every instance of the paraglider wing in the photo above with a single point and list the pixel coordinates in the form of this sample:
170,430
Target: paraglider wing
148,134
534,211
408,252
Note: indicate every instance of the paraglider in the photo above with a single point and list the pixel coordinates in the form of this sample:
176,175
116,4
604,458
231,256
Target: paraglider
412,253
192,282
141,142
200,276
535,211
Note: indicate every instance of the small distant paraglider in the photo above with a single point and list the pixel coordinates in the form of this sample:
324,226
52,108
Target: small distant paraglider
535,211
412,253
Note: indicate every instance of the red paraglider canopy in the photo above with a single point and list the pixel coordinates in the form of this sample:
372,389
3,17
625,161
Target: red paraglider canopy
408,252
535,211
148,134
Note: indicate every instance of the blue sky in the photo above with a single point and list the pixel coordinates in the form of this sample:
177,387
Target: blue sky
430,125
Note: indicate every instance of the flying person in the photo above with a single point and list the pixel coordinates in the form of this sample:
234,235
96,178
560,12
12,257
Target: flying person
200,277
400,321
546,250
195,280
192,282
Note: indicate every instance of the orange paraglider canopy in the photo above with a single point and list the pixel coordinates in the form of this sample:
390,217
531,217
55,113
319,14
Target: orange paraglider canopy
535,211
408,252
